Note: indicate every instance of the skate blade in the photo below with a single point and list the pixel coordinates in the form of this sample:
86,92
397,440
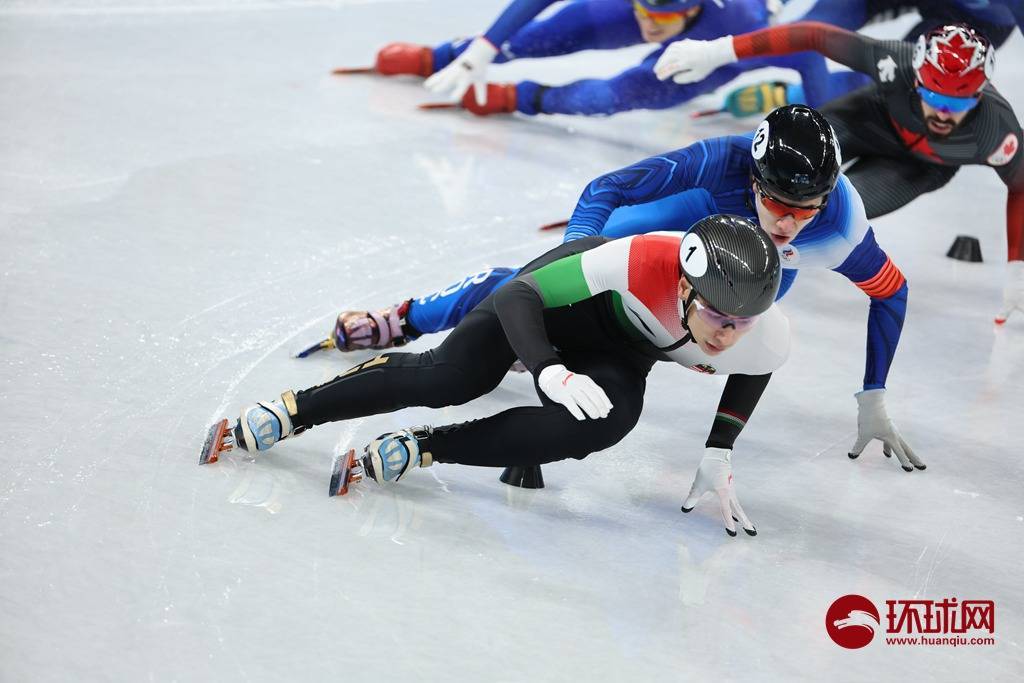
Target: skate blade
706,113
347,470
347,70
428,106
218,440
554,226
319,346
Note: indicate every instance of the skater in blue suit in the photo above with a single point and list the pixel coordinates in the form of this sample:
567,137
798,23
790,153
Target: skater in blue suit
458,69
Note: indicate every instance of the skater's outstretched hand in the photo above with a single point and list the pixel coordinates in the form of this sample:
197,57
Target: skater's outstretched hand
689,61
468,69
873,422
578,393
1013,291
715,474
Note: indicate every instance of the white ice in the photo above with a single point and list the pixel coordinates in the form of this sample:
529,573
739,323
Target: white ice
187,196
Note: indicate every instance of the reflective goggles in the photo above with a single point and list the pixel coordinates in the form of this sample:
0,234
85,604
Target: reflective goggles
947,103
779,208
717,320
663,17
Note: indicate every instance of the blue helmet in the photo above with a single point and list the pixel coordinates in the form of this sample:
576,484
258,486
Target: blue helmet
670,5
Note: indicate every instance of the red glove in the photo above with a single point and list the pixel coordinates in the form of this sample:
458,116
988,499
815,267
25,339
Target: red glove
405,59
501,99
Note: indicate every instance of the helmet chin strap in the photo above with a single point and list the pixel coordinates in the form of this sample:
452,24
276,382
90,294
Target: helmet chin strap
684,318
688,337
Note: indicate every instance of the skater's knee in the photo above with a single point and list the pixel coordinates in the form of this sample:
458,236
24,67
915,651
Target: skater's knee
604,433
621,421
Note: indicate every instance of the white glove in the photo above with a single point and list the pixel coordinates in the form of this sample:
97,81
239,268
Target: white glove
578,393
874,423
715,474
469,68
1013,291
689,61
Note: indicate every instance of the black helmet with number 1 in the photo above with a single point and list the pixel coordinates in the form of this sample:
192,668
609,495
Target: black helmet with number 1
732,264
796,155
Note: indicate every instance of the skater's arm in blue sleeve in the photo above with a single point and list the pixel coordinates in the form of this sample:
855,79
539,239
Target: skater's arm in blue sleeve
644,181
871,269
575,26
517,15
634,88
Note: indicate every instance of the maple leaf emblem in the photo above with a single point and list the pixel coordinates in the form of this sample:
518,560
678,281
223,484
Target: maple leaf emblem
1005,151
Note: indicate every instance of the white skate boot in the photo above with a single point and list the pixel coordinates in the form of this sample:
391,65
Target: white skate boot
258,427
263,424
386,459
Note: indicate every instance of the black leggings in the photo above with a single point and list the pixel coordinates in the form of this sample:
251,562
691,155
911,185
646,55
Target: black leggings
471,362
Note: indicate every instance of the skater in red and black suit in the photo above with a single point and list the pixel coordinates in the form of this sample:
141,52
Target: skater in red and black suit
931,110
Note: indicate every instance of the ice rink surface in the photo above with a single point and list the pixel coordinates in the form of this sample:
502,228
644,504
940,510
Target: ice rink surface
187,196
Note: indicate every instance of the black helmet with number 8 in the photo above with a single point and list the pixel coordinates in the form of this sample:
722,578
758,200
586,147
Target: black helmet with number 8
796,154
732,264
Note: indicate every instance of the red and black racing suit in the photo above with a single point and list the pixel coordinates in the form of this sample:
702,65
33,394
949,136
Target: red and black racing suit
882,126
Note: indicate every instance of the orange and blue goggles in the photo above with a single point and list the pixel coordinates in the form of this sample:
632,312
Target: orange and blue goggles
947,103
667,17
779,208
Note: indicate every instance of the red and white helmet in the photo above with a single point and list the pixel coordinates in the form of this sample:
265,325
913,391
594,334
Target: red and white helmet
954,60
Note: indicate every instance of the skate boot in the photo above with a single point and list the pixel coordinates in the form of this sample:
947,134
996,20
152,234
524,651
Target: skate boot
383,329
263,424
387,458
396,59
258,428
405,59
355,330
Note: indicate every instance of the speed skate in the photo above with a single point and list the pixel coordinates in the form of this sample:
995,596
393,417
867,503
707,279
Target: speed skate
219,439
347,469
